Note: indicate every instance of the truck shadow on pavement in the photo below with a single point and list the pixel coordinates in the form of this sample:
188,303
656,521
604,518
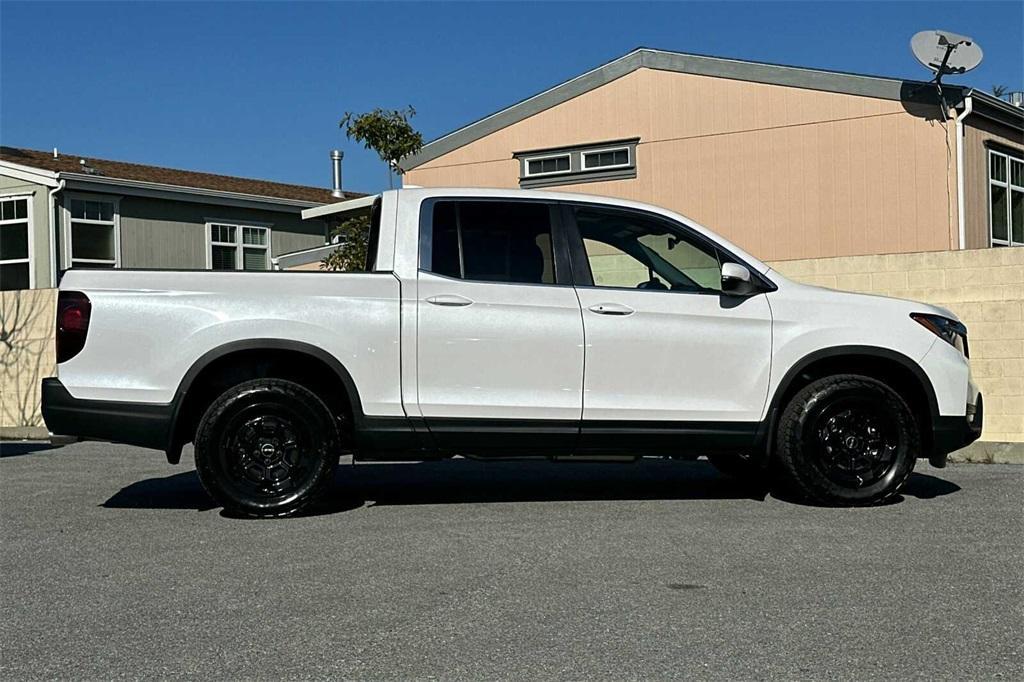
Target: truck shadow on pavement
469,482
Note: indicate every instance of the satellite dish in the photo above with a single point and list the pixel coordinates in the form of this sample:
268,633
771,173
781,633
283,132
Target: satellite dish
945,53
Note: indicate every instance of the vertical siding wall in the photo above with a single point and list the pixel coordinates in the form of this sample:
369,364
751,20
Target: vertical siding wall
984,287
156,233
786,173
978,131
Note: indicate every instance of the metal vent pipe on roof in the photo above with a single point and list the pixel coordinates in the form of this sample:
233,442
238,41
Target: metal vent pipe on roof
336,157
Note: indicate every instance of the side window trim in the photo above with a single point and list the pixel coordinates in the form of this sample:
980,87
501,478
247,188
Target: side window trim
559,238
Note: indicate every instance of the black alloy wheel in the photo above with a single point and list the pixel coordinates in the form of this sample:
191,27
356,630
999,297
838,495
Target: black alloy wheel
266,447
847,440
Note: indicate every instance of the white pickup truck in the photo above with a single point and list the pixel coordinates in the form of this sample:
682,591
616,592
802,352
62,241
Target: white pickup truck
508,323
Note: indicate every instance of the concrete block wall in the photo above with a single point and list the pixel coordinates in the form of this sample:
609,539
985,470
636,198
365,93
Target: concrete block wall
26,356
984,287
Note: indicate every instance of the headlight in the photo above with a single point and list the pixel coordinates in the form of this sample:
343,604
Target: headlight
952,332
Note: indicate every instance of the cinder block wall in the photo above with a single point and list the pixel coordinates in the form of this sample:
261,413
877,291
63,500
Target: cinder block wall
26,356
985,287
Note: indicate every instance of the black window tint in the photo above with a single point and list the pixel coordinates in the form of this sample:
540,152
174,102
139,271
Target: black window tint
500,241
445,251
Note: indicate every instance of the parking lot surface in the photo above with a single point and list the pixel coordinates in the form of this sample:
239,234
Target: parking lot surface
116,565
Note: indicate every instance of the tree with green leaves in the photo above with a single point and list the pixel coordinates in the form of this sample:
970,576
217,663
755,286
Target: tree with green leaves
352,237
387,132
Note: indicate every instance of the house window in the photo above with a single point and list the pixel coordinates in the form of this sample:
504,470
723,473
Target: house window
592,162
238,247
547,165
1006,199
92,235
606,158
15,243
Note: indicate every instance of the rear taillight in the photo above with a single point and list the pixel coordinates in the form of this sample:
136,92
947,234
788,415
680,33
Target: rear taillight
73,311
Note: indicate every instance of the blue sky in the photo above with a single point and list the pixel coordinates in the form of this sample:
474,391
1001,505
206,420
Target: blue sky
257,89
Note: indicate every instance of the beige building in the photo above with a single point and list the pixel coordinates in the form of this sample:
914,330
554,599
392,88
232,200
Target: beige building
787,162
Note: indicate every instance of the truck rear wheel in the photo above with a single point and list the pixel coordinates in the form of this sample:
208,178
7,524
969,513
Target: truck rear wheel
847,440
266,447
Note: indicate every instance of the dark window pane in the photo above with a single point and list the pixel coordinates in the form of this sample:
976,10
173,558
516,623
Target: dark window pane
506,242
13,276
254,235
501,241
445,241
1017,216
998,206
21,208
618,157
92,241
553,165
6,210
998,171
1017,172
77,208
88,265
254,259
223,258
14,241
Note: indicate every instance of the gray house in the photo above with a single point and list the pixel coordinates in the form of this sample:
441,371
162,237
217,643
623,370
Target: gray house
61,211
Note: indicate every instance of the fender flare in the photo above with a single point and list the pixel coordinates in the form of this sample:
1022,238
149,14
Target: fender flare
766,434
175,443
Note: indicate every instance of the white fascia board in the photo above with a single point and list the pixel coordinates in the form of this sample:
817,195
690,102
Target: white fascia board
29,174
351,206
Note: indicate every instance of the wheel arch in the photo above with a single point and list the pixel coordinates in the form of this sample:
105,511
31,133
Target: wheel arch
893,368
262,355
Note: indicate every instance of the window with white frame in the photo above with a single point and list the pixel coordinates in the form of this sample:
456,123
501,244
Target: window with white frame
606,158
238,247
572,164
92,235
15,242
1005,199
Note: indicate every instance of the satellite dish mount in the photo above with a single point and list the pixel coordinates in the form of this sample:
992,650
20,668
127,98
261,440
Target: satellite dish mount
945,53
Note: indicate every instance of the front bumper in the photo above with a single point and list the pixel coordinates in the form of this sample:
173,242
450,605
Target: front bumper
952,433
145,424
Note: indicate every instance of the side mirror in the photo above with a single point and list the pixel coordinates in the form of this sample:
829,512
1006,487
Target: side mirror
736,280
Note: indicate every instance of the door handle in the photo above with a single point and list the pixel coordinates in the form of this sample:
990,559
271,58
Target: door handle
452,300
611,309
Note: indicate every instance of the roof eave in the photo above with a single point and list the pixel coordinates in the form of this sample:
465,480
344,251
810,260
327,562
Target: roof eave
84,180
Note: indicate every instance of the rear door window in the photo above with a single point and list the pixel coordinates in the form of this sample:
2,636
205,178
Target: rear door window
491,241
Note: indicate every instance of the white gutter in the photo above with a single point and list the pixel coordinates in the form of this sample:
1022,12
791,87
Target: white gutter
961,212
52,233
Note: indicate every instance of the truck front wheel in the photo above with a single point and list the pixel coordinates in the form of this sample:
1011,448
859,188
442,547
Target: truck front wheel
847,440
266,447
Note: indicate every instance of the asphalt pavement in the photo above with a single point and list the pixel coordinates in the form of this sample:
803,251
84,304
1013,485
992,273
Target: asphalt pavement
115,565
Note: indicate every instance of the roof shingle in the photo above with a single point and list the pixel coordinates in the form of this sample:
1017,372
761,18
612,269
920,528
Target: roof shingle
121,170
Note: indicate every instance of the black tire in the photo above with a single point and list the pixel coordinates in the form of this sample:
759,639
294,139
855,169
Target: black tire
740,468
266,447
847,440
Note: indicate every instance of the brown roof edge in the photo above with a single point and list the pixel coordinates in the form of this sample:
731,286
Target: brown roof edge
172,178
